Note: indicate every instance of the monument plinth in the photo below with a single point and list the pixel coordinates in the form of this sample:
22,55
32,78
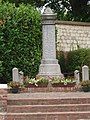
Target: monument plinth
49,64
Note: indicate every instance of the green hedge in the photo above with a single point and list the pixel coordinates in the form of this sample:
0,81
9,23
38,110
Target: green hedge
20,39
70,61
76,59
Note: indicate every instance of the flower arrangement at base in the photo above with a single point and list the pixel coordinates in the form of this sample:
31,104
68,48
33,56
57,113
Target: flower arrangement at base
36,82
42,82
57,82
30,83
85,85
14,86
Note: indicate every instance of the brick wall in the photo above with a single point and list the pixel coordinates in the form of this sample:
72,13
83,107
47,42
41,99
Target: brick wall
71,35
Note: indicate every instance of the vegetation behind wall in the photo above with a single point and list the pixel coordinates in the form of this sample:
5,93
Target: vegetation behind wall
70,61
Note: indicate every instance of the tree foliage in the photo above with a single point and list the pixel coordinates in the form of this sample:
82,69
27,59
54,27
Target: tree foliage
73,10
31,2
81,10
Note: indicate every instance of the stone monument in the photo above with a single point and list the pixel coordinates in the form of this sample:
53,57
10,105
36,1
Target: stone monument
49,64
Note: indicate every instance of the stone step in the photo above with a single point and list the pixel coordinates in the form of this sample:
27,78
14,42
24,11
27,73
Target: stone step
48,108
49,89
50,101
3,109
3,100
3,116
83,119
49,116
3,105
48,98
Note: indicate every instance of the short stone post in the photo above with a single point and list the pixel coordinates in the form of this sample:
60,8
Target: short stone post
77,76
85,72
21,76
49,64
15,74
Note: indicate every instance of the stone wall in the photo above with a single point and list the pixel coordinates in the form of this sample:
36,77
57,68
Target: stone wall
71,35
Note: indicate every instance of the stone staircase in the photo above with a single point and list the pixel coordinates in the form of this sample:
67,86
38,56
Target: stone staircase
3,104
49,106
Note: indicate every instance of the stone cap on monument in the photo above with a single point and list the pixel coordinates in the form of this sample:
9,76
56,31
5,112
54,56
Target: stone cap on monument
48,10
48,14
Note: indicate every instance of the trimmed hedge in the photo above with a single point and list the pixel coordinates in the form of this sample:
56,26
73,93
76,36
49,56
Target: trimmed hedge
20,39
73,60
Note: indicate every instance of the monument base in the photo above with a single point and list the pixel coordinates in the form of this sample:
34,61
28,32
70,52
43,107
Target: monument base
50,68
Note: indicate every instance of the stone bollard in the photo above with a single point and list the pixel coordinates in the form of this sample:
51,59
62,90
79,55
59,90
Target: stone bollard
21,77
85,73
77,76
15,74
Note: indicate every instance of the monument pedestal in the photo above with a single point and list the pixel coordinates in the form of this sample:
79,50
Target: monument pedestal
50,68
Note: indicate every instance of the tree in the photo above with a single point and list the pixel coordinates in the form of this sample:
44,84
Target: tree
74,10
32,2
80,10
